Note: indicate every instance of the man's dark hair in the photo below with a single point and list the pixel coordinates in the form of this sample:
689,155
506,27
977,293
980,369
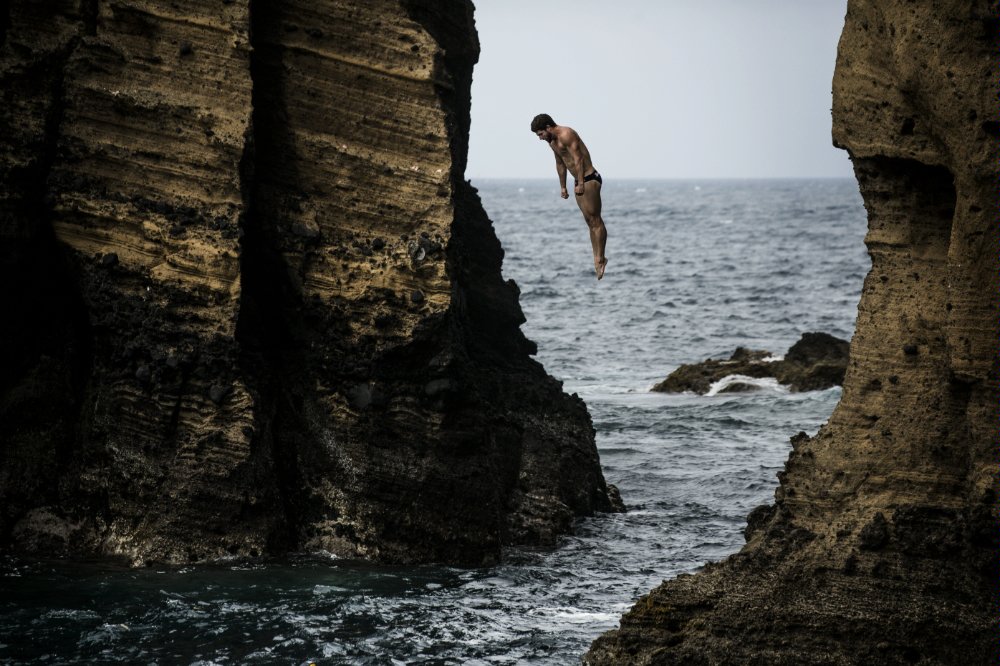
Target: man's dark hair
542,121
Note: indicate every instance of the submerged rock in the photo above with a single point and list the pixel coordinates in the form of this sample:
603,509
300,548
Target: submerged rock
817,361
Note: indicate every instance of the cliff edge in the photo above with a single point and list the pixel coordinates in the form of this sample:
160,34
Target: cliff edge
880,547
250,303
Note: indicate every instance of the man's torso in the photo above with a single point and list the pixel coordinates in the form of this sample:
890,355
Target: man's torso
561,146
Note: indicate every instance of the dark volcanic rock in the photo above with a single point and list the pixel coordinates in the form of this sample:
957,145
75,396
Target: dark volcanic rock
881,545
817,361
239,178
699,377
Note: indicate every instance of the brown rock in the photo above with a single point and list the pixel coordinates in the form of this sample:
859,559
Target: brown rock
817,361
246,187
881,544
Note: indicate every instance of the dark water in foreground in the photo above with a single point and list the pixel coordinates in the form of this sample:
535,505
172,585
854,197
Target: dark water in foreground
696,269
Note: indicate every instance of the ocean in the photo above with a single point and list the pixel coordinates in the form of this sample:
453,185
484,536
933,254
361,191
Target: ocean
696,269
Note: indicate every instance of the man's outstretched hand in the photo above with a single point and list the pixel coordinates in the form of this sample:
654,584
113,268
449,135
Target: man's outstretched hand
564,194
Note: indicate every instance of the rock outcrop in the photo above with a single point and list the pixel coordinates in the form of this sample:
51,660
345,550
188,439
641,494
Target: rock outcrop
817,361
881,545
250,303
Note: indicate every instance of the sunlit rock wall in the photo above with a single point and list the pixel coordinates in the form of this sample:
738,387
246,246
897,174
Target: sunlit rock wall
250,303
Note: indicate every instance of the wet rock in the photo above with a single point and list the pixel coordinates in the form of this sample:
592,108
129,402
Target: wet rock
744,355
185,49
699,377
813,348
417,297
615,496
817,361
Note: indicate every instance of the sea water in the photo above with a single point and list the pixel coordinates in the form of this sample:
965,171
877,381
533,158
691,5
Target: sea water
696,268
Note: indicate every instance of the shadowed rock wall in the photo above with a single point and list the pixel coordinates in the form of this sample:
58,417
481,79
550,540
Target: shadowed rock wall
251,304
881,545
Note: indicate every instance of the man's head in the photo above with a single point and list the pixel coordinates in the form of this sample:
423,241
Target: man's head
540,125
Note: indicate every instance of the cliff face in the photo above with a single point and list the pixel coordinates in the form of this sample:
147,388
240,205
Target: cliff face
250,304
881,544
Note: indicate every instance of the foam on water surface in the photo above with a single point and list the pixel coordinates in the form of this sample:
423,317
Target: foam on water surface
752,383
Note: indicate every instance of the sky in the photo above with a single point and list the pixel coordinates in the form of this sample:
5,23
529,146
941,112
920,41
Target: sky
659,88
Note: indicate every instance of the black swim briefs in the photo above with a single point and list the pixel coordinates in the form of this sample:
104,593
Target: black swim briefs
592,176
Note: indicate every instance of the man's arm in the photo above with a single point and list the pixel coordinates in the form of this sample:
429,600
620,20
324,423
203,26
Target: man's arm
561,170
574,146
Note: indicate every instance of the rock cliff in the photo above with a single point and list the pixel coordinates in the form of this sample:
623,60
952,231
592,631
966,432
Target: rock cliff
880,547
250,303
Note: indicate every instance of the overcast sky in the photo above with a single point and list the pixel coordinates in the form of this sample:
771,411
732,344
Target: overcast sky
659,88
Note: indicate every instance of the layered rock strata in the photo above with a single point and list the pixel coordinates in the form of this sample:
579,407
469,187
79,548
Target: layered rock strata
251,304
817,361
880,547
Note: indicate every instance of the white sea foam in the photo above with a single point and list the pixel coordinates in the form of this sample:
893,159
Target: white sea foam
764,384
571,615
69,614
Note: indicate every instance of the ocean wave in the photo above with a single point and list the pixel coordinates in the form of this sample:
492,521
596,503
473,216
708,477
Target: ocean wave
762,384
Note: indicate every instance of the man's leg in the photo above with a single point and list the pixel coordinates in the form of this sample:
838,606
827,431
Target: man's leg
590,206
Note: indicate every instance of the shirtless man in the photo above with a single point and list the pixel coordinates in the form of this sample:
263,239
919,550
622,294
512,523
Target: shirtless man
572,155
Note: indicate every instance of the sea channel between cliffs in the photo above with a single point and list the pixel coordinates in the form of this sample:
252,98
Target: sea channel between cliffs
224,347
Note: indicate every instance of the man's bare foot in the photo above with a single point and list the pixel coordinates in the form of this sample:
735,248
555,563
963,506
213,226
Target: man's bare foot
600,266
